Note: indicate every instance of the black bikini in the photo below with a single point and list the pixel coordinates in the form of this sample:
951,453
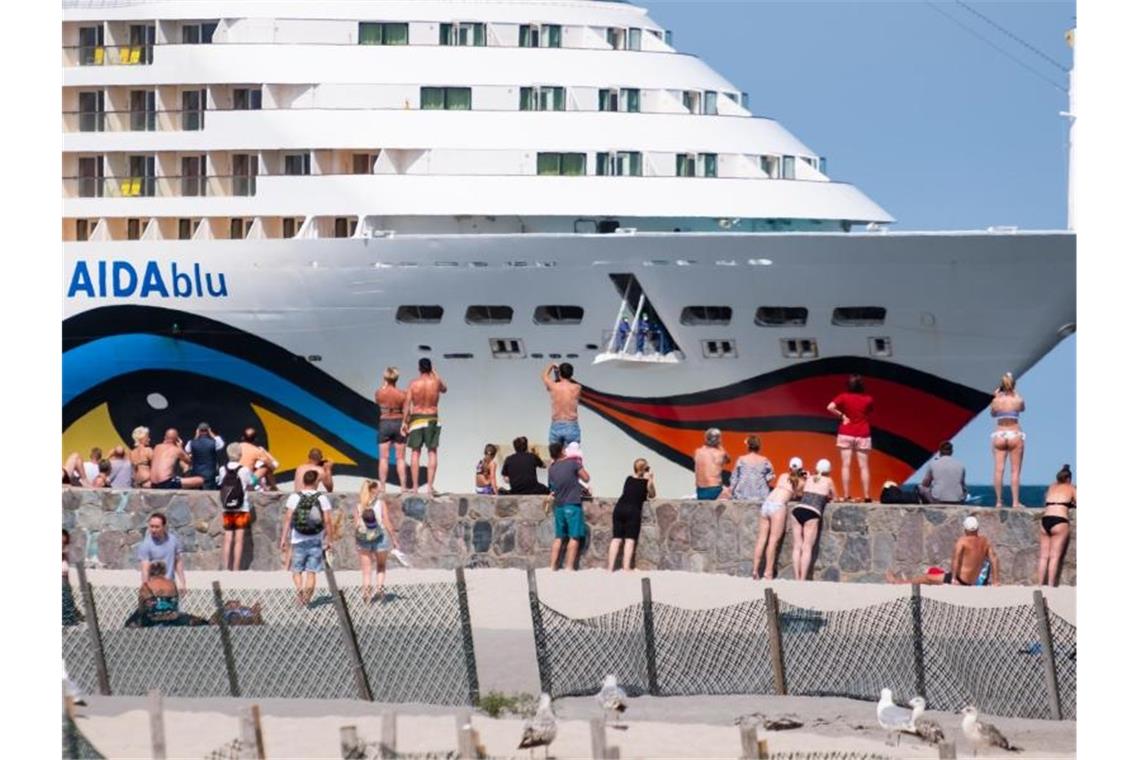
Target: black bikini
1048,522
803,512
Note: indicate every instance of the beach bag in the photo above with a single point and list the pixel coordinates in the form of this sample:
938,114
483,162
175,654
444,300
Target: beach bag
371,531
231,491
307,517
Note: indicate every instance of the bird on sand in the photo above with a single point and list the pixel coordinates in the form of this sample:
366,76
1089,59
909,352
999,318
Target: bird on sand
893,718
922,726
611,698
981,734
540,730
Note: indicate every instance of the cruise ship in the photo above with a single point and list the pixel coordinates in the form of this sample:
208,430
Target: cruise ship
267,202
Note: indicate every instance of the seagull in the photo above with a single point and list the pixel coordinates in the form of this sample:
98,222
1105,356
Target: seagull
927,729
983,734
893,718
540,730
611,698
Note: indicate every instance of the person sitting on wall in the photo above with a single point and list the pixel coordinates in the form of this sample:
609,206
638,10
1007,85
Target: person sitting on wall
158,602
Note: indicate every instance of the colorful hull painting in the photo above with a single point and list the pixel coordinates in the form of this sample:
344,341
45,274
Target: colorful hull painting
788,408
130,365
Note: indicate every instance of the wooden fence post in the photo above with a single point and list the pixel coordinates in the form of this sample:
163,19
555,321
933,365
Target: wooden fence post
464,740
650,637
359,674
388,735
157,729
249,733
775,641
916,637
947,751
748,747
101,673
350,744
597,739
1048,659
539,633
468,640
227,642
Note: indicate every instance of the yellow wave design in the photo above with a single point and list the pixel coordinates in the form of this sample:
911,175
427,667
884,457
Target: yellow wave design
92,429
290,443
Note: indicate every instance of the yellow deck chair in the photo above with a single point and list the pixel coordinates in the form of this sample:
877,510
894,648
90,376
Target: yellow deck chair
124,55
136,53
99,56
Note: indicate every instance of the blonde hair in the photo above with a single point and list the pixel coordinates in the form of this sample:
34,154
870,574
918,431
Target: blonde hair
1008,383
391,375
366,489
139,433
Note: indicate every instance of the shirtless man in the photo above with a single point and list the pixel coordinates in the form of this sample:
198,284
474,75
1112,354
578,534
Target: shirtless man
322,466
708,464
257,459
421,421
564,392
971,553
391,401
164,467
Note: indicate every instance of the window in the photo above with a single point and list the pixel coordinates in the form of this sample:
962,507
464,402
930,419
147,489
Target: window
506,348
141,170
91,45
559,315
245,174
194,175
633,39
90,177
879,346
91,111
489,315
691,101
297,164
419,315
193,109
344,227
822,165
631,100
710,103
186,229
240,227
445,98
372,33
290,226
142,44
686,165
542,98
142,110
533,35
82,230
707,166
615,36
781,316
744,100
247,99
789,164
134,229
566,164
362,163
464,34
718,349
706,315
199,33
799,348
858,316
770,165
620,164
625,99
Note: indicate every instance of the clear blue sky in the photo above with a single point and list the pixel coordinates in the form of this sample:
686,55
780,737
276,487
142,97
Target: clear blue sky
939,128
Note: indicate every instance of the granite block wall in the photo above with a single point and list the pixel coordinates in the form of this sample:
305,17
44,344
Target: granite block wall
858,542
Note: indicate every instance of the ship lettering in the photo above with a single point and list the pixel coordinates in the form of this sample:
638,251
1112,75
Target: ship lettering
124,279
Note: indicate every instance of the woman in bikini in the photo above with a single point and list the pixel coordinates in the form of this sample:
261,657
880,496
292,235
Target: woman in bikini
774,516
374,538
140,456
818,489
1008,439
485,471
1059,499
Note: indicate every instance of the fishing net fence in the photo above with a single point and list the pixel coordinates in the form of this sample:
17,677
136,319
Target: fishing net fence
951,654
414,645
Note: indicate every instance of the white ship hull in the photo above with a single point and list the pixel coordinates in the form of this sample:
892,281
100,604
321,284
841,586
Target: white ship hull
293,335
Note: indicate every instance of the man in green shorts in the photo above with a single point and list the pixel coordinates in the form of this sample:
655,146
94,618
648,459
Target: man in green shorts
421,422
569,521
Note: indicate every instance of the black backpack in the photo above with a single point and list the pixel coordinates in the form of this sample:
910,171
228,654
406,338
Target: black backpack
307,517
231,491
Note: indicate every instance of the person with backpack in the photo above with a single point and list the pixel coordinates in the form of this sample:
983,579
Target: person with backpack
303,531
234,484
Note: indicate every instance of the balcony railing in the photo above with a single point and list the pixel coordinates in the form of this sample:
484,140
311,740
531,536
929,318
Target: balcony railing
177,186
108,55
134,121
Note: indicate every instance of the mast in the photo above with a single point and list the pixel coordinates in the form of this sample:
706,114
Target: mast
1070,37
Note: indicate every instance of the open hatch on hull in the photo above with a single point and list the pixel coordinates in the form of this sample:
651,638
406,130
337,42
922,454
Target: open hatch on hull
639,337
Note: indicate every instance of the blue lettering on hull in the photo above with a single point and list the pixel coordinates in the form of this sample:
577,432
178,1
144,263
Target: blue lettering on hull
125,279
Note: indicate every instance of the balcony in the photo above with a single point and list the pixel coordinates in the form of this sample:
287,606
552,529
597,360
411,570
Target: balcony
177,186
176,120
108,55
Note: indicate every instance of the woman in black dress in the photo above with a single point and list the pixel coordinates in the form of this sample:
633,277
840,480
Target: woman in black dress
627,513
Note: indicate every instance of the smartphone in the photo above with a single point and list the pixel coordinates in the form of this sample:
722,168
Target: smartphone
557,377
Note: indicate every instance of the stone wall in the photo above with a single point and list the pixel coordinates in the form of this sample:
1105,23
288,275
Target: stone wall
858,542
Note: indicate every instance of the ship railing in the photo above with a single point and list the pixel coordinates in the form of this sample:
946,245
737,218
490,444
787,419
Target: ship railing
108,55
134,120
176,186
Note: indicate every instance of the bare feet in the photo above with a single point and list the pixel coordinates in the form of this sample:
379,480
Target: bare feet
769,577
755,575
366,592
1019,506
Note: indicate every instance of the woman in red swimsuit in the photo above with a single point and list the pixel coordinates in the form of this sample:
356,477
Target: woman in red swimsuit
853,408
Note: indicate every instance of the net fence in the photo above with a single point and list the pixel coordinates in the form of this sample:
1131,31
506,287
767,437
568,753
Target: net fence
952,654
75,744
414,644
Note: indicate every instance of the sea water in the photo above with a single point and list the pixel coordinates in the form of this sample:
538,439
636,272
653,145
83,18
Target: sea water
983,496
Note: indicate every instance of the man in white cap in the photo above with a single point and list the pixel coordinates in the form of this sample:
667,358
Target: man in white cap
975,563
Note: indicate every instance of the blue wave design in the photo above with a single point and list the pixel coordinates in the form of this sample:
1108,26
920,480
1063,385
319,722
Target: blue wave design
93,363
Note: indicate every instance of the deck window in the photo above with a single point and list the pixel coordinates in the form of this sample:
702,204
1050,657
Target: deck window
623,163
90,176
247,99
633,39
142,38
708,165
245,174
143,114
186,229
686,165
706,315
559,315
82,229
362,163
691,101
789,166
445,98
373,33
199,33
858,316
546,35
718,349
290,226
141,181
565,164
91,50
91,111
297,164
627,99
463,34
770,165
134,229
193,110
799,348
240,228
194,175
344,227
710,103
542,98
489,315
507,348
781,316
822,166
419,315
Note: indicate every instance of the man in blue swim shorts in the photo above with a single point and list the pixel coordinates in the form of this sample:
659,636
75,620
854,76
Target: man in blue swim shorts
569,521
564,393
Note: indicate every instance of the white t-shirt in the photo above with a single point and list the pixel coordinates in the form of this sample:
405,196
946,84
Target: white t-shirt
245,477
291,504
90,471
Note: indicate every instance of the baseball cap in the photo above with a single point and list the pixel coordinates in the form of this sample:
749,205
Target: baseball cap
823,467
796,464
203,427
574,449
970,524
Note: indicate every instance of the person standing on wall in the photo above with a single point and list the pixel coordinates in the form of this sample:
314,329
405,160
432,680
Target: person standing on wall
853,408
564,392
421,422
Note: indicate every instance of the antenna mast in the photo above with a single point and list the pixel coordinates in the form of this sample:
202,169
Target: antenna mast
1071,115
